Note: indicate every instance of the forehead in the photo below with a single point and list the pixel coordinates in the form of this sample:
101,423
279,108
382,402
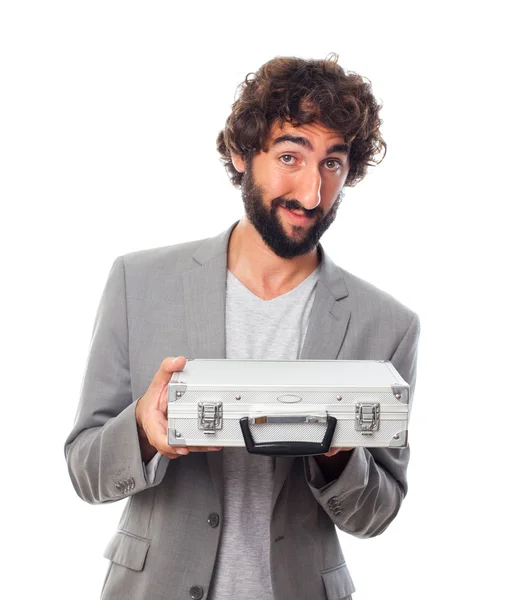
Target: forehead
315,132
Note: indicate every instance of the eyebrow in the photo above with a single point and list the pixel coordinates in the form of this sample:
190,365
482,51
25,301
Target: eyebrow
302,141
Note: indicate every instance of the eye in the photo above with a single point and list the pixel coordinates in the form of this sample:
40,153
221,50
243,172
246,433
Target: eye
336,164
284,158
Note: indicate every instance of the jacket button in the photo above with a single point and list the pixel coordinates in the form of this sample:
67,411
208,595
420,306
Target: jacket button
213,519
196,592
334,505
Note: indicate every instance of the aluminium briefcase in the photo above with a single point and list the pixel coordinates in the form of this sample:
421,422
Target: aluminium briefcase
288,407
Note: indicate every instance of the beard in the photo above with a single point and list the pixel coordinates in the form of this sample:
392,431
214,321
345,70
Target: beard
270,227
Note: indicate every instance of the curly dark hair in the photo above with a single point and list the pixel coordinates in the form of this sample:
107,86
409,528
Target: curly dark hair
303,91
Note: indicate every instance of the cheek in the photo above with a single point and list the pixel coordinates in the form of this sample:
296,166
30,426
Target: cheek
331,188
276,186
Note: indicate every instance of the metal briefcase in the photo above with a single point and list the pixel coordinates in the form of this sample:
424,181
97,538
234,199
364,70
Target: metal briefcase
288,407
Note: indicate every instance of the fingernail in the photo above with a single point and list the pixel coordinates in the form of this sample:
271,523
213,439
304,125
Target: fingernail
182,451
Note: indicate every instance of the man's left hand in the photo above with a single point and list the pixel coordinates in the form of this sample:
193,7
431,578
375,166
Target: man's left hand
333,451
333,462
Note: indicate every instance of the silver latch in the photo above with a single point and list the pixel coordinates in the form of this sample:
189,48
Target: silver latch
367,418
210,416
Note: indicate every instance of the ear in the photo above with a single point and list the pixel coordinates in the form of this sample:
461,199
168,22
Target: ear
238,162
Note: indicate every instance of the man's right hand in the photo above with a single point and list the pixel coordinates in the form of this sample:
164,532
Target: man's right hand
151,415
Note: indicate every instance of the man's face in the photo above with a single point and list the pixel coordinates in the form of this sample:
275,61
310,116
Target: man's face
291,193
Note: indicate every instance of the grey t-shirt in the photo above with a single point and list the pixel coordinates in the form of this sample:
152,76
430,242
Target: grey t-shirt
257,329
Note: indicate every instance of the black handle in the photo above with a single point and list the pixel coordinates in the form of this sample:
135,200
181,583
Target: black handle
288,448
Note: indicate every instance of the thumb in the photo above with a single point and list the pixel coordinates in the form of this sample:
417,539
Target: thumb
167,368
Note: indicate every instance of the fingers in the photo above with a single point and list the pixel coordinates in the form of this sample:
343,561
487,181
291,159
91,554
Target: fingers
157,435
157,439
183,450
177,451
333,451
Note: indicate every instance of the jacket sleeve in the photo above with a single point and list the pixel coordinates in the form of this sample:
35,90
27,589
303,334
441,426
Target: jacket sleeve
102,451
367,495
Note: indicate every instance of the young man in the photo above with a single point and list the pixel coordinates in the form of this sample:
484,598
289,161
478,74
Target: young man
228,524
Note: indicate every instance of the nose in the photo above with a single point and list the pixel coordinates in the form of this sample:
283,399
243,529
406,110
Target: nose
308,189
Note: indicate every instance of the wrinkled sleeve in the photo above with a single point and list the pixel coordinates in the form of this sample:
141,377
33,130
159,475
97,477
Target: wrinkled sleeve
368,494
103,451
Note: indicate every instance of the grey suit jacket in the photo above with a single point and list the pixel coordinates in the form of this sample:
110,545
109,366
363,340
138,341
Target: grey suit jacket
170,301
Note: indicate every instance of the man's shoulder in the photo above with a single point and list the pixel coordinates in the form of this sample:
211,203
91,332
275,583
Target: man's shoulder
178,256
368,298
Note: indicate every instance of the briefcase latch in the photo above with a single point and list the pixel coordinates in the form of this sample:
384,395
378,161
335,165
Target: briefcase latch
367,418
210,416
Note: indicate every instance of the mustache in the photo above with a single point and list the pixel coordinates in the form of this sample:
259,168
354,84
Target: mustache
294,205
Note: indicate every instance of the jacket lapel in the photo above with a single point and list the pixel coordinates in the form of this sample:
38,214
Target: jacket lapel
329,317
204,289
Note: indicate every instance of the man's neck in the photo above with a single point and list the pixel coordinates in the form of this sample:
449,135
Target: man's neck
260,269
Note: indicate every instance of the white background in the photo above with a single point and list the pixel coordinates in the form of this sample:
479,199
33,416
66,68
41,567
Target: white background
108,119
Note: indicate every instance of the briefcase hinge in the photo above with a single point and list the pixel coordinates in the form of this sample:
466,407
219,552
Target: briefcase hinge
210,416
367,418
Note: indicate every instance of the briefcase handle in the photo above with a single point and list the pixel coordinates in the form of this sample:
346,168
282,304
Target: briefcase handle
287,448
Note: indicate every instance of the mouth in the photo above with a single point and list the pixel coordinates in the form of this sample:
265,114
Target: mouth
296,217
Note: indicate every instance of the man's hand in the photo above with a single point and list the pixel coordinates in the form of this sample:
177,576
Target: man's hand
151,415
333,451
333,462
